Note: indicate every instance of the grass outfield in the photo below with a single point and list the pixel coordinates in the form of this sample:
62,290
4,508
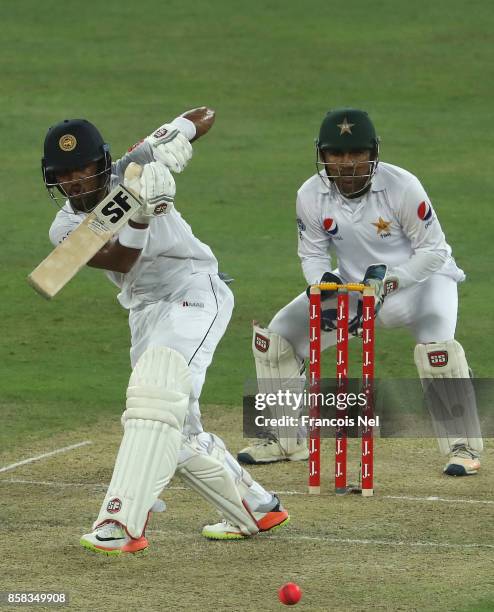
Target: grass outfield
424,72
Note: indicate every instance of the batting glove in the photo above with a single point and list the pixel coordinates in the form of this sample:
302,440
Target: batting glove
170,147
156,189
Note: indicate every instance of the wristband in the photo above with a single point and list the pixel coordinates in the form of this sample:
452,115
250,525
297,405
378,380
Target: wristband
186,127
133,238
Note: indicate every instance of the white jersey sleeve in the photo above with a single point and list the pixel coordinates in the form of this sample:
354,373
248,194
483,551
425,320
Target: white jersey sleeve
313,242
420,224
64,223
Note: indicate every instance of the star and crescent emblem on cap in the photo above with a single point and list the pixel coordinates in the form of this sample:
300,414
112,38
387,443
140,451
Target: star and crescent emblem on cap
345,127
382,225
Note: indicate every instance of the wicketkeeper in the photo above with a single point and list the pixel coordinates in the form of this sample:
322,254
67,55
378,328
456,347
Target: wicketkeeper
179,309
380,224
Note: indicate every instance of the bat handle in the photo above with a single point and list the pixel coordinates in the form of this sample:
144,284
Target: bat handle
132,175
133,171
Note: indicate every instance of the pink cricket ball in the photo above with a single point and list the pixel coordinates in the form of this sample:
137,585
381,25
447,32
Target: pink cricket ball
289,594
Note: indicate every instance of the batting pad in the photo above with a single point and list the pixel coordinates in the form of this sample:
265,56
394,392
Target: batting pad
205,472
449,394
157,403
278,368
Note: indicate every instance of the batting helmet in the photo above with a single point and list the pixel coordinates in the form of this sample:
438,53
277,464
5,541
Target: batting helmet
347,129
70,145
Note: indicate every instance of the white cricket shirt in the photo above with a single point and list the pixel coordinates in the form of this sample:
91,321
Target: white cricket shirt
172,252
393,223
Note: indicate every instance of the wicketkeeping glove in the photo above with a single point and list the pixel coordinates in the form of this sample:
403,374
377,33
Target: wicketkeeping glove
170,147
156,188
328,302
374,277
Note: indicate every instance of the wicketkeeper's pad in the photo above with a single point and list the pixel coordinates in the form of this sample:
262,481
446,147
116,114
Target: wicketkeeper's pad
278,369
449,394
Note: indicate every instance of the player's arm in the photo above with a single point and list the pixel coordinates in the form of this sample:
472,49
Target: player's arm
421,225
202,118
313,242
117,257
170,143
113,256
156,189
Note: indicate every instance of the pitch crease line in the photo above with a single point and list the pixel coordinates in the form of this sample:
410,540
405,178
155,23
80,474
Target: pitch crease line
332,540
49,483
177,488
433,498
65,449
390,542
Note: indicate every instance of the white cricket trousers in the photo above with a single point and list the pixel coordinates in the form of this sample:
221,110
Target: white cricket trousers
192,321
428,310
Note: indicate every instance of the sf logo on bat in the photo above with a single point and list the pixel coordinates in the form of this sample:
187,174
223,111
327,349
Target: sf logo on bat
117,207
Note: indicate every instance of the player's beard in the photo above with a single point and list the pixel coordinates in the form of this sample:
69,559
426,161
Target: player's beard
351,186
349,183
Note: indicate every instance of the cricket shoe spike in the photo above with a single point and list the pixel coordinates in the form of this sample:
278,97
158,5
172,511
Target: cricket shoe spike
268,450
111,539
462,461
267,516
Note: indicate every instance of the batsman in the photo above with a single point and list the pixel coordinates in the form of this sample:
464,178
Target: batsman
378,221
179,309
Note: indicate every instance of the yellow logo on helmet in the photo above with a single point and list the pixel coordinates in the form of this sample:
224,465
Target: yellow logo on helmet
67,142
345,127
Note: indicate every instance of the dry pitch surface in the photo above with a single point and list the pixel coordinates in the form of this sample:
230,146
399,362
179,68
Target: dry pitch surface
400,550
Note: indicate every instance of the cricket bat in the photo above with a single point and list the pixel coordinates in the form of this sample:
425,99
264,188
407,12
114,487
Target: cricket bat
63,263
